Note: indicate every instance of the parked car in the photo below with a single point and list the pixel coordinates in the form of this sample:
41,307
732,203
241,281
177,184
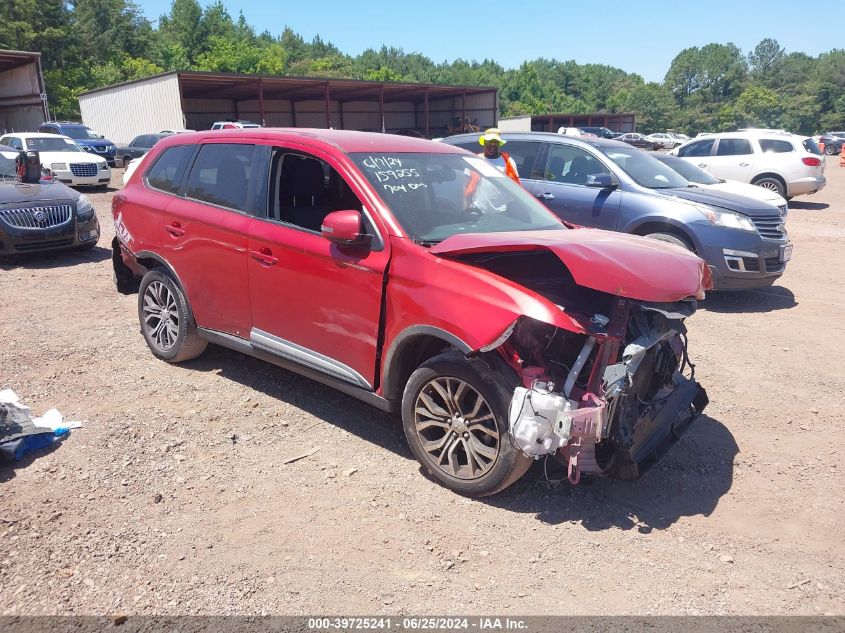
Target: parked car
139,146
663,140
637,140
699,177
63,157
43,216
87,139
787,164
573,131
391,247
833,142
601,132
610,185
234,125
679,136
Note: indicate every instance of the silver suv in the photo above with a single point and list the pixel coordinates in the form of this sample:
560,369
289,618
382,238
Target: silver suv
788,164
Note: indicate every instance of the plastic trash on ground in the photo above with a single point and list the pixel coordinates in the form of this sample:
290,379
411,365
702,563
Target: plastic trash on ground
20,433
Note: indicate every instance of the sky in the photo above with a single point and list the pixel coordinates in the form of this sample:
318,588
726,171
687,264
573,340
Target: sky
639,36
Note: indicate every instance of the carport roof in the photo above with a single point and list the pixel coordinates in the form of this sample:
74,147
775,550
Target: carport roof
199,84
13,59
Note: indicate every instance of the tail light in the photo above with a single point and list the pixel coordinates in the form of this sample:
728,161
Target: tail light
811,161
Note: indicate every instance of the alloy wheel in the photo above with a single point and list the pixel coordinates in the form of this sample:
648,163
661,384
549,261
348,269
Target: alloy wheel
161,316
456,428
770,185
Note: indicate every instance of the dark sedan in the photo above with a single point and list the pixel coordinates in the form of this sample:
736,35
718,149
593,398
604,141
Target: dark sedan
42,216
637,140
139,146
833,142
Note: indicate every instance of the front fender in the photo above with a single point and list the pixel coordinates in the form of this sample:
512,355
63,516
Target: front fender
468,303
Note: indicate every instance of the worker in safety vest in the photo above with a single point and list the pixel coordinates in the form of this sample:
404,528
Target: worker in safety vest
491,141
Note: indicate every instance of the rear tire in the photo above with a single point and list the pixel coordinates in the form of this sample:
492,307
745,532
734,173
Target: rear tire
167,322
830,150
772,184
455,416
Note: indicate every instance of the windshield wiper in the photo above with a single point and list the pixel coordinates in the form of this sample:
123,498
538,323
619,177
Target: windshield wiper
426,243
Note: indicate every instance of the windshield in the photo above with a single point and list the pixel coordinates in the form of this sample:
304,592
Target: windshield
435,196
79,132
52,144
690,171
646,170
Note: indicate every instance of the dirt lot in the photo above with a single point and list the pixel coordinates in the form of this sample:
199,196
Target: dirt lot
174,497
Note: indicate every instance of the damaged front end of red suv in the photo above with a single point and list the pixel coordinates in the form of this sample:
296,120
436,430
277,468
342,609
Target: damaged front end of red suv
607,386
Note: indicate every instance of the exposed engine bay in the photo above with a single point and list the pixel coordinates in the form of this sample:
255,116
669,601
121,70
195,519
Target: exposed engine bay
607,402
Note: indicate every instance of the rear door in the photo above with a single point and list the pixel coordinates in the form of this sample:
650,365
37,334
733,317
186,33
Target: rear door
732,159
314,302
205,235
699,153
139,219
563,187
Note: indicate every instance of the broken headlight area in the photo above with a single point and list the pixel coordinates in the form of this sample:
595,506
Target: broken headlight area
608,402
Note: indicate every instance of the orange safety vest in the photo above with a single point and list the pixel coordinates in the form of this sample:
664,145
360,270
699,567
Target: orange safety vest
510,172
474,178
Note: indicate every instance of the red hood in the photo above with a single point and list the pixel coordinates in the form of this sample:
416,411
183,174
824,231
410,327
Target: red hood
616,263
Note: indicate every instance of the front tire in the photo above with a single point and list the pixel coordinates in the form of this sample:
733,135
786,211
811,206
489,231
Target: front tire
167,322
830,150
455,416
671,238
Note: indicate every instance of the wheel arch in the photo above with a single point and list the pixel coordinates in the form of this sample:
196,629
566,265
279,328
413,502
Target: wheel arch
150,260
409,349
656,225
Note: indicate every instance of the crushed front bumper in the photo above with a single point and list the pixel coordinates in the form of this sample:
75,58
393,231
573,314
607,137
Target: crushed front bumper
656,434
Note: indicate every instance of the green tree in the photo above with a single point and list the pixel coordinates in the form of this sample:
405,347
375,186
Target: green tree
184,26
110,28
766,60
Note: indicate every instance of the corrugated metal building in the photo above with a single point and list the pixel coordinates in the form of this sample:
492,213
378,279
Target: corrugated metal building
23,102
618,122
195,100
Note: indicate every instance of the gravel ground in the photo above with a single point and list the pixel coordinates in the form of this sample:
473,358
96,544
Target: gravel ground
175,499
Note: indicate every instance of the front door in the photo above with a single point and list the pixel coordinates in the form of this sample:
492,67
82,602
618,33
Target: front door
698,153
314,302
564,189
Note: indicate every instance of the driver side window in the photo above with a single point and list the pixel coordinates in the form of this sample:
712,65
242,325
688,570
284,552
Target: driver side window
571,165
306,189
700,148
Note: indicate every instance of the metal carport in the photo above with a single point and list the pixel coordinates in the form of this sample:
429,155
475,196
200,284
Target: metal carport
195,100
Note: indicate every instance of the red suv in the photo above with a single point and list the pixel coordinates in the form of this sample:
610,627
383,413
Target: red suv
415,276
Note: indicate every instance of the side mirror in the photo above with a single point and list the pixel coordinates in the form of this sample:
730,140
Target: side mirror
100,136
600,181
344,229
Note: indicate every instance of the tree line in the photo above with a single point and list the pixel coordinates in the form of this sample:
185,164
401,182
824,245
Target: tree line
87,44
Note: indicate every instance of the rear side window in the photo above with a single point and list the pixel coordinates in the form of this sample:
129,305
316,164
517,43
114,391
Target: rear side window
221,174
811,146
734,147
775,146
699,148
166,174
524,154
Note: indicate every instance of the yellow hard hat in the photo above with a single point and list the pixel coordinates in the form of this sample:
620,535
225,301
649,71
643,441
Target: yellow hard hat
491,135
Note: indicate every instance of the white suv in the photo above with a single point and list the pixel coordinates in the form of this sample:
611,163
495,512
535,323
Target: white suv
234,125
788,164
